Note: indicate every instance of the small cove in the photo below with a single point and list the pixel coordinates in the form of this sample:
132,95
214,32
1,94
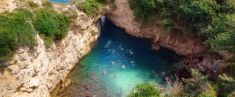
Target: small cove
117,63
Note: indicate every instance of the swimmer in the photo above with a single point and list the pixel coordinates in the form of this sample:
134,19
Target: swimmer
132,62
104,71
123,66
163,73
102,20
113,52
113,62
107,44
120,46
131,53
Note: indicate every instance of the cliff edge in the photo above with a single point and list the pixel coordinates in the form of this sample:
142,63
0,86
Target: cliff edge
35,73
179,41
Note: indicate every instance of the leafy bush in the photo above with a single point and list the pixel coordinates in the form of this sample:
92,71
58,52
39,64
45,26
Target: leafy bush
226,85
208,91
213,19
145,90
227,6
195,85
220,33
91,7
15,31
197,11
145,11
167,23
50,24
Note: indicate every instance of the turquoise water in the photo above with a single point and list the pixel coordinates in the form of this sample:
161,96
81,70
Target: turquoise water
117,63
60,1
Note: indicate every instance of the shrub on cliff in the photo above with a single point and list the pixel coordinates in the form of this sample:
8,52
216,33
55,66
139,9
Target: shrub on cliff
220,33
197,11
226,85
227,6
51,25
145,11
209,91
144,90
214,20
91,7
15,31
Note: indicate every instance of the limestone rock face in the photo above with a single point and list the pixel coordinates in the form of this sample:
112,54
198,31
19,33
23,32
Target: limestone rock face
35,73
178,41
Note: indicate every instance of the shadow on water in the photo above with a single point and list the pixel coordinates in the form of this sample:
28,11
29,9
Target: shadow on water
117,63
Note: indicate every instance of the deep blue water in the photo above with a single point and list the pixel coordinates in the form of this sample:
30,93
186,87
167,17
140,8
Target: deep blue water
117,63
60,1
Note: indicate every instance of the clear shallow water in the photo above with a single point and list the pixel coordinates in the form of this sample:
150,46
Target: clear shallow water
117,63
60,1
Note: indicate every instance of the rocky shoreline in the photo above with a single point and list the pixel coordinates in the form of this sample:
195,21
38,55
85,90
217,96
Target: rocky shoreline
36,73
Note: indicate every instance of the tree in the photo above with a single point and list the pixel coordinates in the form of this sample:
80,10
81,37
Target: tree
144,90
145,11
220,33
197,11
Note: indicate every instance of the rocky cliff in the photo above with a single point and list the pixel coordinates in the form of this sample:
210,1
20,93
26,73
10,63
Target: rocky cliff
178,41
35,73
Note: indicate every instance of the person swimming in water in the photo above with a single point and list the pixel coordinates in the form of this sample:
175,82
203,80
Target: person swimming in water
123,66
104,71
120,46
132,63
113,63
130,52
107,44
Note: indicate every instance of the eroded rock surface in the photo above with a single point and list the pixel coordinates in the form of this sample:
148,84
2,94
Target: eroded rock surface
35,73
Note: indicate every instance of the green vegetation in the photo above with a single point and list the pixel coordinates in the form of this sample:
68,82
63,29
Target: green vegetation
145,90
197,86
15,31
91,7
145,10
214,19
51,25
225,85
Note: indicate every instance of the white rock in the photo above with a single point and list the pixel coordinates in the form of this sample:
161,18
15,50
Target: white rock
34,82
